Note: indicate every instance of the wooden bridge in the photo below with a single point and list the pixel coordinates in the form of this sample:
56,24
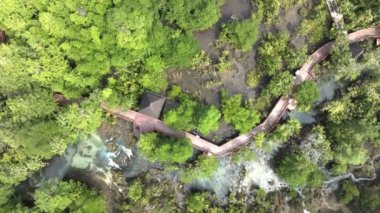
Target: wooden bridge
144,123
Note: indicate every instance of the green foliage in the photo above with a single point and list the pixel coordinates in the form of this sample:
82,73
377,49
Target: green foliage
204,168
153,79
259,140
314,26
347,139
298,171
359,101
320,151
279,85
135,191
224,64
106,51
192,115
341,59
369,199
38,104
242,118
82,118
56,196
359,14
244,34
348,191
271,53
253,78
295,58
209,120
39,139
72,45
243,154
194,15
182,50
272,8
6,192
283,132
306,95
197,202
182,117
157,195
166,149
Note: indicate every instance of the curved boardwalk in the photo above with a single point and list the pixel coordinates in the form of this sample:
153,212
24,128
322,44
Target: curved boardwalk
144,123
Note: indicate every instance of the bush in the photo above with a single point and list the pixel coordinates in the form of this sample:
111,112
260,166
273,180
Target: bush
70,196
194,15
298,171
253,78
209,120
243,34
204,168
165,149
197,202
271,53
306,95
135,191
190,115
242,118
348,191
279,85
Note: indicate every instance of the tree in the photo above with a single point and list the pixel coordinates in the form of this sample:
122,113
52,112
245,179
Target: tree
192,115
314,26
209,120
59,196
271,53
298,171
135,191
204,168
369,199
243,34
165,149
197,202
347,192
194,15
283,132
182,117
306,95
341,59
242,118
259,140
279,85
35,105
82,118
348,141
253,78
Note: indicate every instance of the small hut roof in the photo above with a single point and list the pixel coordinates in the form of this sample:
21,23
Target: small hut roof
152,104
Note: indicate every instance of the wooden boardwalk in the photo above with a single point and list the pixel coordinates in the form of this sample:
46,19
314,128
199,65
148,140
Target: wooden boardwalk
144,123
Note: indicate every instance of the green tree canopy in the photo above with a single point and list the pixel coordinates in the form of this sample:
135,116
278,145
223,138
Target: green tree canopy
241,117
348,191
198,202
279,85
165,149
298,171
191,115
204,167
306,95
194,15
244,34
59,196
